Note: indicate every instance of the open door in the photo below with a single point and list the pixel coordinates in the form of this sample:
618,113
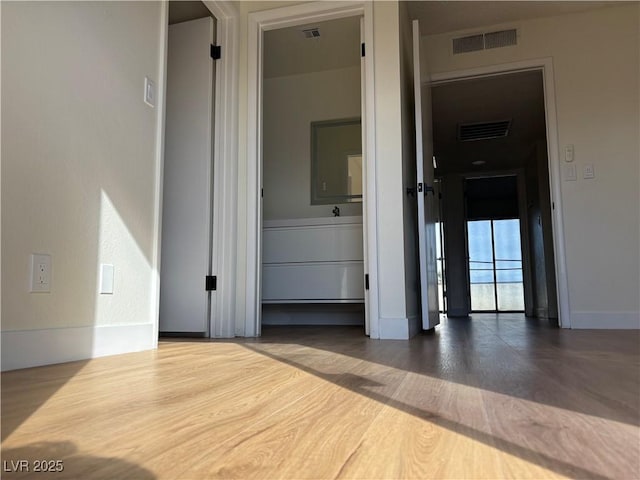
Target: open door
363,122
426,194
188,172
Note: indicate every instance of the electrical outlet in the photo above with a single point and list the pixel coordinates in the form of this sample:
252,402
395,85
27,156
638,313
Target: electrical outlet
40,273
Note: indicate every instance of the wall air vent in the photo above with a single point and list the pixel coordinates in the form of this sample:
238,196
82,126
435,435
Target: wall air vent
311,32
483,131
472,43
484,41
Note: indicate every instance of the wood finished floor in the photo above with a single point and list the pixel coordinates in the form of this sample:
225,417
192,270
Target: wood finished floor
486,398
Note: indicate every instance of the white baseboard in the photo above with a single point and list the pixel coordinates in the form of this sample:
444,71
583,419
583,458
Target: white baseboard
394,328
606,320
32,348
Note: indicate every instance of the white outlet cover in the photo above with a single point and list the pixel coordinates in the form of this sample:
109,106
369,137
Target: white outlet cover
40,273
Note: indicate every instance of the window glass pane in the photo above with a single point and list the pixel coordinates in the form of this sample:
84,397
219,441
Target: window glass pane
482,297
510,296
481,265
480,241
509,276
507,239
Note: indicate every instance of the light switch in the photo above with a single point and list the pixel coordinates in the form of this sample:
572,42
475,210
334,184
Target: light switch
570,173
588,172
568,153
106,279
149,92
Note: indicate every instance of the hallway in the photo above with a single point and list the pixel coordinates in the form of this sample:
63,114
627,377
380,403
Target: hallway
490,397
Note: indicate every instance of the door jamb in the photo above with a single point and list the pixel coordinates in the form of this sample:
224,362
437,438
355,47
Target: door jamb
546,66
225,167
259,22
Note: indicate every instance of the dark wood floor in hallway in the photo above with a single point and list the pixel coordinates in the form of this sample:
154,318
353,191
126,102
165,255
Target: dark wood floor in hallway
488,397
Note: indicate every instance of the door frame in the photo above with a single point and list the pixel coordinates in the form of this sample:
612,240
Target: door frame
545,65
223,254
258,23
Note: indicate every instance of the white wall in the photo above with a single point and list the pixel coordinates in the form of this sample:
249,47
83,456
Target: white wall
291,103
78,176
596,65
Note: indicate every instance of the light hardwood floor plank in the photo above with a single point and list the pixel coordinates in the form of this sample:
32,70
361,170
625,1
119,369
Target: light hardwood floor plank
491,397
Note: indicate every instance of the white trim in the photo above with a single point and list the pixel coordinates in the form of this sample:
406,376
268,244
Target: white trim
259,22
546,66
225,166
32,348
159,176
606,320
399,328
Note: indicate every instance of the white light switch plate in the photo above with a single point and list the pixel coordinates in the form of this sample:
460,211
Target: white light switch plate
570,173
40,273
107,273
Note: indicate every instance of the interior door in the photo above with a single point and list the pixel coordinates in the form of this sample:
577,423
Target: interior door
365,251
426,195
188,170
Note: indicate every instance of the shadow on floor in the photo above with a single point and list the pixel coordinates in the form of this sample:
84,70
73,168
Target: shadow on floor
594,372
358,386
41,382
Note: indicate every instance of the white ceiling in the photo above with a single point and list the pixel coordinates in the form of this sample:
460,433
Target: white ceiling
517,96
448,16
288,52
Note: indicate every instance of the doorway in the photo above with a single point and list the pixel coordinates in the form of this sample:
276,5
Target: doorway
490,144
187,213
284,17
312,175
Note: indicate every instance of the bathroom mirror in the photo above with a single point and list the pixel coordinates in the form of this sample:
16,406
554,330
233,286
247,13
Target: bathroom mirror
336,161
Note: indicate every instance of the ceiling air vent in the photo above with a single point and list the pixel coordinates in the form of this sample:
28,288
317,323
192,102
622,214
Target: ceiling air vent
484,41
483,131
311,32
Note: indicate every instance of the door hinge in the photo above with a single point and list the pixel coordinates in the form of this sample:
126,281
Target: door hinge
216,52
366,281
362,49
210,283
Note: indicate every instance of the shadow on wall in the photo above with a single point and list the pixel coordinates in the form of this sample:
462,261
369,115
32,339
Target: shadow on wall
63,460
